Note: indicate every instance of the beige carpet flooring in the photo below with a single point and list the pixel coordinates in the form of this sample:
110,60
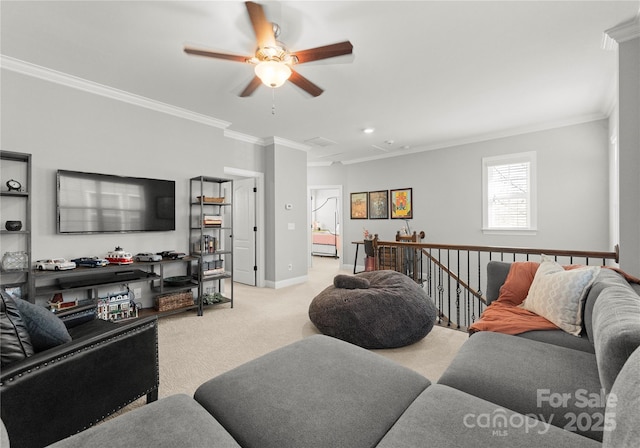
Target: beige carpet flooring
194,349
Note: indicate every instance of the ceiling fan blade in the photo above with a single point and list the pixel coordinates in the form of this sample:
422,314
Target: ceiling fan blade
213,54
325,52
251,87
305,84
261,26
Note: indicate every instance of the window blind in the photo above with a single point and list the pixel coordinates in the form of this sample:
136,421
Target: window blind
508,190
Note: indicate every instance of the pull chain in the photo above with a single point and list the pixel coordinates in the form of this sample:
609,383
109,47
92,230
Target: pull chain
273,104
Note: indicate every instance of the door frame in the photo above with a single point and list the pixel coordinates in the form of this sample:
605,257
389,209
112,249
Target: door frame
260,218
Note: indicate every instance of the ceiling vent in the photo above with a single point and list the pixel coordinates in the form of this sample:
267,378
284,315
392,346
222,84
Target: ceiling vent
320,141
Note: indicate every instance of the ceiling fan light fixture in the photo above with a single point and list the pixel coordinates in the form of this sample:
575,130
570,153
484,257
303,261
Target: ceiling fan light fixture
273,73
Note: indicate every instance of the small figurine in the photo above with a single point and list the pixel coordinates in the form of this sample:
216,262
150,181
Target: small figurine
119,256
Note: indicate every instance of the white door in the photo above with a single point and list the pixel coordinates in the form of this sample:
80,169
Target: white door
244,232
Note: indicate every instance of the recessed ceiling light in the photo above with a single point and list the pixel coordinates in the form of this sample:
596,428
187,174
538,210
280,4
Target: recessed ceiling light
368,130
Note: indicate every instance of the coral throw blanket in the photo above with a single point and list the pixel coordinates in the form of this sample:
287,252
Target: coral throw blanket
504,315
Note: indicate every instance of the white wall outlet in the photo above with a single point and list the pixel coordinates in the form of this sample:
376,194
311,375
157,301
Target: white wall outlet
137,292
290,267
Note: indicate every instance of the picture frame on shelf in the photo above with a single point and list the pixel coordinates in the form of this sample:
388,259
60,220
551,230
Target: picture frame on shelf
402,203
359,205
379,204
14,291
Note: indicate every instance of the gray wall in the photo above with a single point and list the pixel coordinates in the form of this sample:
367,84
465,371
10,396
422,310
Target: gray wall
66,128
629,147
573,198
286,228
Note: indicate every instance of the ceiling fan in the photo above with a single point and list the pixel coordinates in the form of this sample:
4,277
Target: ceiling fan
273,61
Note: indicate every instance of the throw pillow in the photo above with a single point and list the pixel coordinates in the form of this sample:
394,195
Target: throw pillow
558,295
15,343
350,282
45,328
516,285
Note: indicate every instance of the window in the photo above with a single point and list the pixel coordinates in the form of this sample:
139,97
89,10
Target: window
509,192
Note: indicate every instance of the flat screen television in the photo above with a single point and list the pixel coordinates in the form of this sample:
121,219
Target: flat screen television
105,203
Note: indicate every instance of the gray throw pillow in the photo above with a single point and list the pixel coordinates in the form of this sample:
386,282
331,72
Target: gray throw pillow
45,328
15,343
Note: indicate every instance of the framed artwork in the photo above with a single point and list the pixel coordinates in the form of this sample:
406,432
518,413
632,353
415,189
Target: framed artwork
401,204
359,205
379,204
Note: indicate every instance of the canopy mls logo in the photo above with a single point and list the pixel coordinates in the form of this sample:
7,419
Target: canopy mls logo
499,422
592,418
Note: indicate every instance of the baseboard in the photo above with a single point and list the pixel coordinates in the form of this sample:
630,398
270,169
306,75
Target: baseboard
285,283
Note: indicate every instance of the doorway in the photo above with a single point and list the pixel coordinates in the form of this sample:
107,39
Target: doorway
325,222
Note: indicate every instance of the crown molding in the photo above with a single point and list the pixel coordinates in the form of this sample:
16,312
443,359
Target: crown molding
244,137
622,33
74,82
320,164
288,143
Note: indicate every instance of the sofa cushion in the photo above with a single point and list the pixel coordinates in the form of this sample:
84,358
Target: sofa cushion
444,417
558,294
561,338
317,392
623,407
45,329
616,330
527,377
15,343
604,279
175,421
497,272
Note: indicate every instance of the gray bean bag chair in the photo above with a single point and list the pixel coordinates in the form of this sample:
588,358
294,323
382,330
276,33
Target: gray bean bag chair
378,309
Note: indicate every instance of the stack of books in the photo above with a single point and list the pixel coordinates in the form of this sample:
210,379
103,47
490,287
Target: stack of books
212,267
213,271
208,243
212,221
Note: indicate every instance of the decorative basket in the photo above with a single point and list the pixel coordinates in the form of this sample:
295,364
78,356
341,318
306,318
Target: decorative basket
210,199
174,301
15,261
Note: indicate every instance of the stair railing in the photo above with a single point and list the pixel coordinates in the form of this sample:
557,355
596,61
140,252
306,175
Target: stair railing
454,276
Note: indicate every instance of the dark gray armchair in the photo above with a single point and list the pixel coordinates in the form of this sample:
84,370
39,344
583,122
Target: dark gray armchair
66,389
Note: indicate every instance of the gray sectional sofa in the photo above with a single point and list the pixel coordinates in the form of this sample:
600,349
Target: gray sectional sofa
557,376
499,391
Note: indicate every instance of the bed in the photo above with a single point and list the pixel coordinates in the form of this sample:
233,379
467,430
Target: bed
325,243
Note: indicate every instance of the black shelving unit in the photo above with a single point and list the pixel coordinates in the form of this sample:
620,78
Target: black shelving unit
211,238
16,206
89,280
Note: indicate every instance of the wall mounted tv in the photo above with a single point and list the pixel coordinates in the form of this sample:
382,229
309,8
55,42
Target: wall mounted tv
105,203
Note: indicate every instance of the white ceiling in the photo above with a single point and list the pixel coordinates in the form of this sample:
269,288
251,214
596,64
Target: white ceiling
424,74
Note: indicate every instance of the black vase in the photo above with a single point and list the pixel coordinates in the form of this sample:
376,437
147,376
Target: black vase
13,226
